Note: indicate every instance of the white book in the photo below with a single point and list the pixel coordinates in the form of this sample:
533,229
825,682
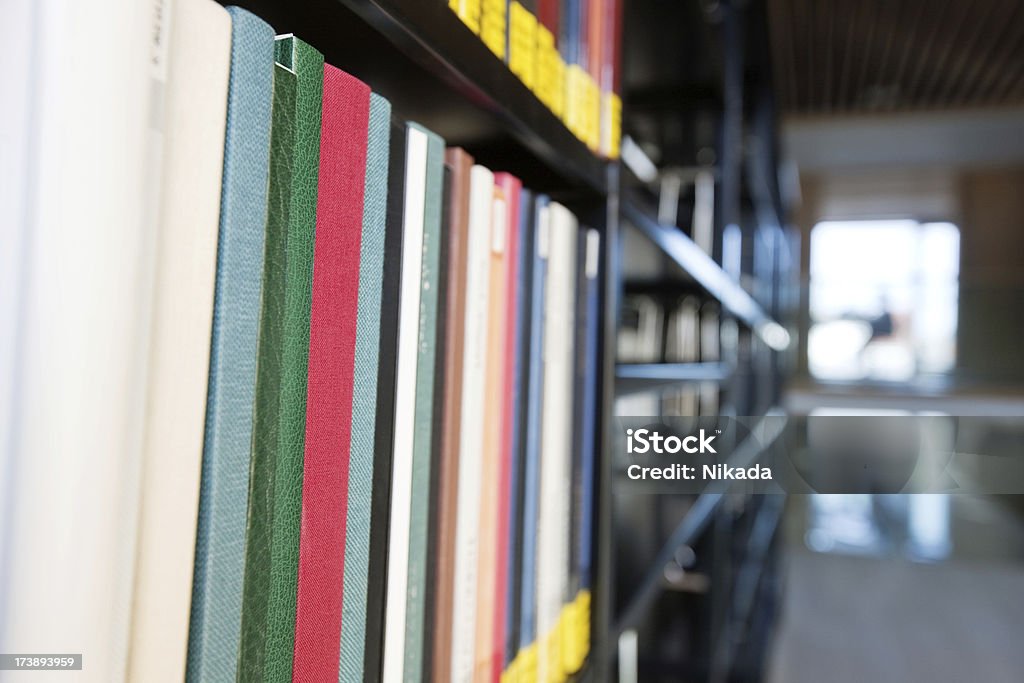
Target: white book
82,341
553,528
195,112
405,404
471,436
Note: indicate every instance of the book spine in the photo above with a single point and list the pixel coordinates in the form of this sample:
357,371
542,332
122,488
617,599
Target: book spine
464,608
383,439
460,165
364,401
428,345
527,654
519,382
195,110
556,444
266,412
332,342
216,616
405,406
511,188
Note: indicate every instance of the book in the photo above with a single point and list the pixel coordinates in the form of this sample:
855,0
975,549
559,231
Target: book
424,447
275,499
269,374
526,250
528,644
576,643
478,250
216,614
377,572
460,165
85,303
368,348
492,448
511,188
556,441
437,419
332,342
195,114
417,144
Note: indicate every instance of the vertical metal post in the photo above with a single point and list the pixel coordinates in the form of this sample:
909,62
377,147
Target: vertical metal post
602,649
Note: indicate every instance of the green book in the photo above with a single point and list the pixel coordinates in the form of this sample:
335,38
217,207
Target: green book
275,499
424,441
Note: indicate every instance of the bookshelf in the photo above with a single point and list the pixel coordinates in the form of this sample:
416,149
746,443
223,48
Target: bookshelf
435,71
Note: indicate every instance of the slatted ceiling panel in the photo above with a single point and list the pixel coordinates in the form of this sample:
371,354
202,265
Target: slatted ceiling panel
869,56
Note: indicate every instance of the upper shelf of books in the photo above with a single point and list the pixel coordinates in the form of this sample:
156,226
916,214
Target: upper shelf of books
424,56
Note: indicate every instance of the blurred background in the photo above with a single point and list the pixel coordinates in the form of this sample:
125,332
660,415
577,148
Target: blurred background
858,167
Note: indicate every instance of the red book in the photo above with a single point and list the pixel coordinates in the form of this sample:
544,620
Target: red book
510,187
332,342
547,14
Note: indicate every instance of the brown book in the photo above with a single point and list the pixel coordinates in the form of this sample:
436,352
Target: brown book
459,165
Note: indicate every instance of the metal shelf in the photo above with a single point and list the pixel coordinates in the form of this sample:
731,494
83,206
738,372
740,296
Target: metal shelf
763,435
709,275
632,378
434,70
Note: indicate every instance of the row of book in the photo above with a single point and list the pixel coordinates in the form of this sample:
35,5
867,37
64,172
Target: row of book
294,392
567,52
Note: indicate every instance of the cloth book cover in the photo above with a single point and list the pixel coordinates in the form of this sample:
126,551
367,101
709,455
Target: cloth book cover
195,114
332,342
216,615
358,518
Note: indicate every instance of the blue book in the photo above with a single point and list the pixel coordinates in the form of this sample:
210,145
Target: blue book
520,405
216,616
532,433
358,520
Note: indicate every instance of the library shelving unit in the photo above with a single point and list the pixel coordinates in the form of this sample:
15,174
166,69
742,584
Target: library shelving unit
694,598
435,71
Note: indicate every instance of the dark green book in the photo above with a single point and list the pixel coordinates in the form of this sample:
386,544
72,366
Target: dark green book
275,500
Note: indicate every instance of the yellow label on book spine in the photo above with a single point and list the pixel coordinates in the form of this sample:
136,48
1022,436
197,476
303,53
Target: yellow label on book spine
547,77
469,12
493,26
611,125
527,658
522,44
592,114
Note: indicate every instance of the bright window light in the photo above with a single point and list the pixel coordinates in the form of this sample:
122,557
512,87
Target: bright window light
883,300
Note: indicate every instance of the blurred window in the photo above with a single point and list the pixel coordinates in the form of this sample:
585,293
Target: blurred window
883,300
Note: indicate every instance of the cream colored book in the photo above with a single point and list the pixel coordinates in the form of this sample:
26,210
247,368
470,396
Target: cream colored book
86,288
553,527
471,437
195,111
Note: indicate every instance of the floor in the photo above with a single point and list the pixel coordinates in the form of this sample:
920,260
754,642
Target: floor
850,618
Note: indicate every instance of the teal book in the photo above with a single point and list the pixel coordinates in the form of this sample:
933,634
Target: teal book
425,442
364,400
275,500
216,614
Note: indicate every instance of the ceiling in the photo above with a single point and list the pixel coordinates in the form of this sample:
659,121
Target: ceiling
875,56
